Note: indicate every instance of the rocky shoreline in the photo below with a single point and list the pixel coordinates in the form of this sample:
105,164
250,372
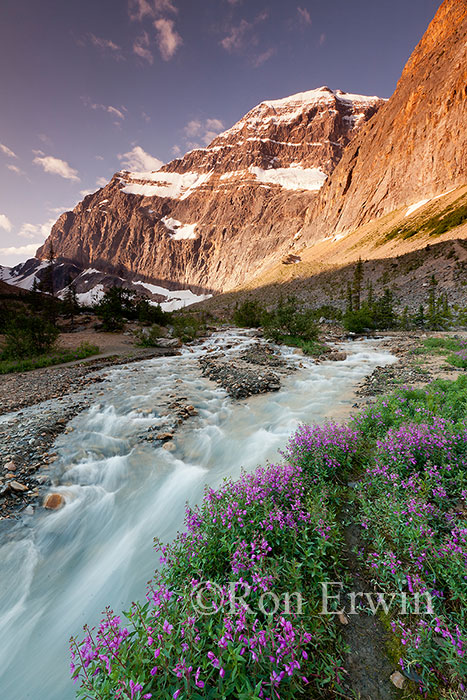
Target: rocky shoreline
257,370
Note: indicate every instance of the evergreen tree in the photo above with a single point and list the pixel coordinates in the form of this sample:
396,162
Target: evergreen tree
47,285
70,304
420,317
349,298
357,284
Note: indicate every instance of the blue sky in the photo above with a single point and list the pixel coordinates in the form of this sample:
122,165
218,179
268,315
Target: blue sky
91,87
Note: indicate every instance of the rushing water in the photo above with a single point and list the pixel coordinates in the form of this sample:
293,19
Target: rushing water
59,570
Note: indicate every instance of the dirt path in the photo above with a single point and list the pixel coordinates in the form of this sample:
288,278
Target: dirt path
367,663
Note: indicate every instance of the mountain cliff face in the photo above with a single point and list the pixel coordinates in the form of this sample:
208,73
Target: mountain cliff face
221,213
416,147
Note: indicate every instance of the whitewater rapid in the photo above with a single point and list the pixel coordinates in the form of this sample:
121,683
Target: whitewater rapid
58,570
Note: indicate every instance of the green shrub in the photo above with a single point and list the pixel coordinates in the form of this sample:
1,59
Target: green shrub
186,327
27,336
248,314
148,338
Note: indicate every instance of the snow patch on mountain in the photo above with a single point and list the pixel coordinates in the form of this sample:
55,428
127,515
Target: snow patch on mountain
178,230
293,178
172,185
176,299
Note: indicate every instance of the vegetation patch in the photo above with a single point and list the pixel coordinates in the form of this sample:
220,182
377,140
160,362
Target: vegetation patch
54,357
451,217
454,349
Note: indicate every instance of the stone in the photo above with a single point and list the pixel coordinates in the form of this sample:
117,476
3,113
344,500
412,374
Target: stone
10,466
168,343
54,501
169,446
343,619
18,487
397,679
336,356
164,437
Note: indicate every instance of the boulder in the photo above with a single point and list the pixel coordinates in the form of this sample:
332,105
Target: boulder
54,501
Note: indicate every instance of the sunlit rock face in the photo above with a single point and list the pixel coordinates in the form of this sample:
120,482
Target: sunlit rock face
220,214
415,148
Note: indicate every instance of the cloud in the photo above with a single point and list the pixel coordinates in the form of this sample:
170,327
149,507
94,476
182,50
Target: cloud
304,15
215,124
56,166
263,57
322,39
146,117
36,230
141,48
168,39
114,111
102,181
84,193
137,159
103,44
7,151
176,151
235,39
205,131
59,210
99,157
15,169
5,222
28,249
241,36
139,9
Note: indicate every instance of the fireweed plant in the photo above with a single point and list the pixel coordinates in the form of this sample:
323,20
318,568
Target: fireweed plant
276,531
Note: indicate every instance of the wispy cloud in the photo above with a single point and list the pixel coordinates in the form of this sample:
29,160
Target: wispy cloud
103,44
15,169
204,131
116,112
263,57
56,166
102,181
137,159
168,39
139,9
141,48
176,151
29,249
304,15
7,151
235,39
241,37
322,39
5,222
34,231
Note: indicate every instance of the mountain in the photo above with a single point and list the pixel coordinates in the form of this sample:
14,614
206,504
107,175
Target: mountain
90,284
369,177
219,214
416,147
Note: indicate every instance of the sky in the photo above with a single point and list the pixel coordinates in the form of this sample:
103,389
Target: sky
91,87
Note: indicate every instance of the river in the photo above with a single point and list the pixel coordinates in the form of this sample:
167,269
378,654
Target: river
58,570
